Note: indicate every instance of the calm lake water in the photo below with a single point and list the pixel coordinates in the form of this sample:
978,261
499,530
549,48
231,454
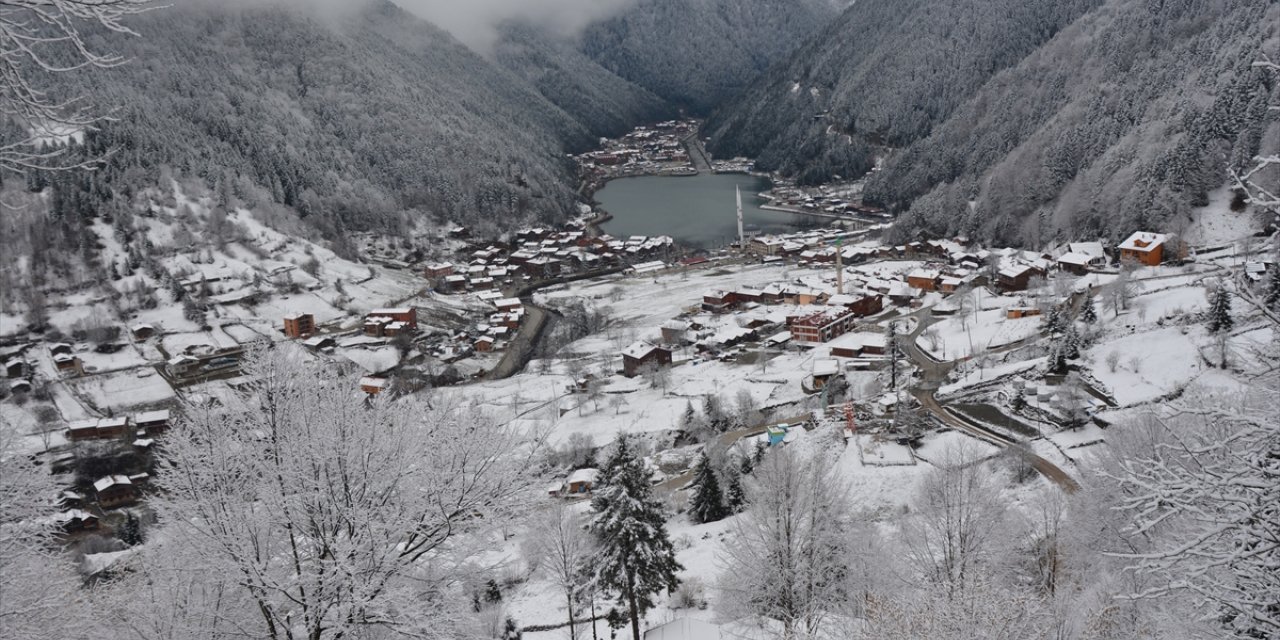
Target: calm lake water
695,210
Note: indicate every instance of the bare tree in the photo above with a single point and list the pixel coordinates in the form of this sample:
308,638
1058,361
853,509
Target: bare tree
1202,497
33,34
39,590
952,534
791,558
329,516
564,548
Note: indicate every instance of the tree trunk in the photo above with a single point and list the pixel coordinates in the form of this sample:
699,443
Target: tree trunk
573,634
631,600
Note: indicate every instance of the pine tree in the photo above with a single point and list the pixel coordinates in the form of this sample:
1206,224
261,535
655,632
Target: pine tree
736,496
1272,296
1057,359
636,558
131,531
1088,312
707,503
511,631
892,350
715,416
1220,319
689,419
492,594
748,463
1071,343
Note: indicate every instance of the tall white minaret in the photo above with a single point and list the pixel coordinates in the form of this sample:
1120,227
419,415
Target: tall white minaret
742,241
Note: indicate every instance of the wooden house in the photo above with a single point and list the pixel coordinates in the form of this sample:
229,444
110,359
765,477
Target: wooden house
112,427
1015,277
115,491
68,364
152,423
374,385
16,368
1144,248
581,481
642,354
923,279
142,331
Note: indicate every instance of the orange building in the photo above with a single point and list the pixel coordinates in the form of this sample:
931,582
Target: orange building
1144,248
299,325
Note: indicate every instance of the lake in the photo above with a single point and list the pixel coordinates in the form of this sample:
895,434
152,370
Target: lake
695,210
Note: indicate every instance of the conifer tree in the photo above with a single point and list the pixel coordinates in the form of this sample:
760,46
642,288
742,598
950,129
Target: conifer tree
1088,312
131,531
1220,320
735,496
636,559
511,631
1272,296
707,503
492,594
1071,343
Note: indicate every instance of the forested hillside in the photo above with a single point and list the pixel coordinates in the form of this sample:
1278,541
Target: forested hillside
349,123
697,53
606,104
1056,119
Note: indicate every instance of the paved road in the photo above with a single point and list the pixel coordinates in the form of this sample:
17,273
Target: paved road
934,373
697,154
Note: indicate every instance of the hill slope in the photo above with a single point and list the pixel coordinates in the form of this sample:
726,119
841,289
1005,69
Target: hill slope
349,124
697,53
1019,121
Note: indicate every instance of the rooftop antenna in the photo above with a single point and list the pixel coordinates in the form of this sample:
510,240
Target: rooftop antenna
742,241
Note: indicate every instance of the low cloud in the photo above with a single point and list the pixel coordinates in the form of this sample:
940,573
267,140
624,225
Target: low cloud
476,22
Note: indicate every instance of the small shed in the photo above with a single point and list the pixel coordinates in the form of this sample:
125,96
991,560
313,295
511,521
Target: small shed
582,481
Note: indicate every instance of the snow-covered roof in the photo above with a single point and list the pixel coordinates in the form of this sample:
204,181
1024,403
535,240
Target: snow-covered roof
159,415
1075,258
584,475
388,312
371,381
826,367
108,423
507,302
638,349
110,481
1143,241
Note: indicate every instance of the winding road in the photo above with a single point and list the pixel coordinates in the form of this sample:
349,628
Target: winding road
933,373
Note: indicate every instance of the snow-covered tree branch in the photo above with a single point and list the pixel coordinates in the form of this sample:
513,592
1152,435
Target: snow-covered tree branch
327,516
39,37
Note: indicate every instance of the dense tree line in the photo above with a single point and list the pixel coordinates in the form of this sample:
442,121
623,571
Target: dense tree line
697,53
1020,122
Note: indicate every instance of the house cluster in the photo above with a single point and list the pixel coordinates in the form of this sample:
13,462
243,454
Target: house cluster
651,150
389,323
823,199
540,253
141,428
137,432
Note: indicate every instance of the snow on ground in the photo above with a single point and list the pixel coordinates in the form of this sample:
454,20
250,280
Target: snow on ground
1216,223
1152,364
123,390
962,337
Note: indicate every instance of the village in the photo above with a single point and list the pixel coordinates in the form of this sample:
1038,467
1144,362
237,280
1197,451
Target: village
566,330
